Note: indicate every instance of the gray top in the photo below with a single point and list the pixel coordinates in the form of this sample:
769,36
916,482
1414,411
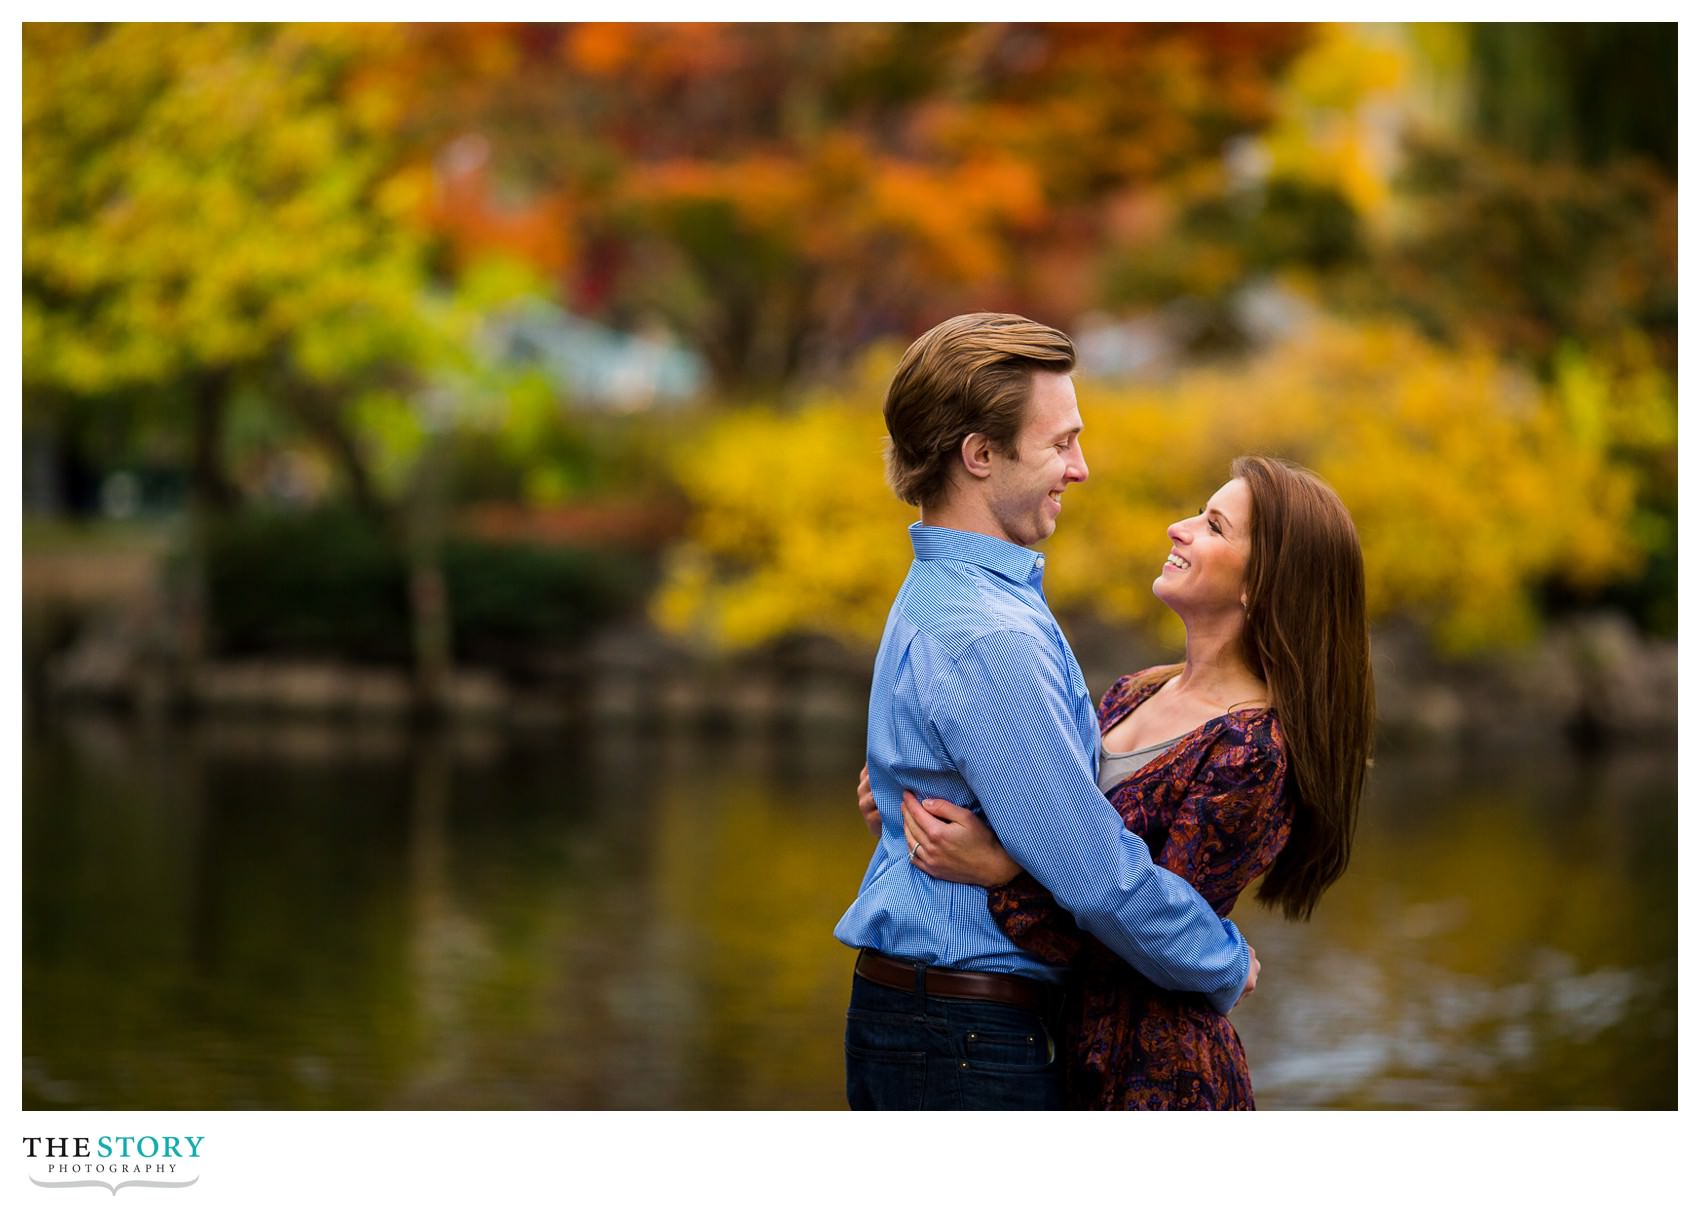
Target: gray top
1116,768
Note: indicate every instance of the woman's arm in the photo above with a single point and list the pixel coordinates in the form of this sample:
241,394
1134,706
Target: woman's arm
956,845
1233,820
1225,832
865,803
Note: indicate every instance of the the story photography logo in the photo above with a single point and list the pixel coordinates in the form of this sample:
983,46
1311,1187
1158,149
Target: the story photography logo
114,1161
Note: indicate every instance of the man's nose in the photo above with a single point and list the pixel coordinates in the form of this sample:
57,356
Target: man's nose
1079,471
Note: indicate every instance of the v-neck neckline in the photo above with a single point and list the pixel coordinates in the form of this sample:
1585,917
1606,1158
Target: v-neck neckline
1139,699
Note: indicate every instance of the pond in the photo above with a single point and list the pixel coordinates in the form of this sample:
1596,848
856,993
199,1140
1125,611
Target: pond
307,915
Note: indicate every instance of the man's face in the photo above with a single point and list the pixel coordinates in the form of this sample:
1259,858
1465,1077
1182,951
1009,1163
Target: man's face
1025,492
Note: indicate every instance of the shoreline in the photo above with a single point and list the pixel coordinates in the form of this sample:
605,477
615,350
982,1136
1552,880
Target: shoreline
1590,682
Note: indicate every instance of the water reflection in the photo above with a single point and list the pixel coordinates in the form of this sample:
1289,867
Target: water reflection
1506,938
297,915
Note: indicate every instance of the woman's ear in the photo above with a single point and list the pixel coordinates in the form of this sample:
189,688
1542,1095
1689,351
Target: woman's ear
977,455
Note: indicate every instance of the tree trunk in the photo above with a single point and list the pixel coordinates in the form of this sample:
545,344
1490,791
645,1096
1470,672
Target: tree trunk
428,597
211,496
319,413
209,486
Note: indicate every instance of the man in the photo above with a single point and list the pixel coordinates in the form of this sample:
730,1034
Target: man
978,699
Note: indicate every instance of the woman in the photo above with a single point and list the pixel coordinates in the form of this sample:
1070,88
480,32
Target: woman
1247,758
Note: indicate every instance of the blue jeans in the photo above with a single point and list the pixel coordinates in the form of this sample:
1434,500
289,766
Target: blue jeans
905,1051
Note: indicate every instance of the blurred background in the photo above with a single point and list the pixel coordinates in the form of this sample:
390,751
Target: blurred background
455,540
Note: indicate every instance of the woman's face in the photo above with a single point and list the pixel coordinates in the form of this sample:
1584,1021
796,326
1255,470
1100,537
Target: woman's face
1204,573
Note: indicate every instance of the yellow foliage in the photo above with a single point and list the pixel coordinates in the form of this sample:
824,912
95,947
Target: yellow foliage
1466,479
1334,126
795,529
1465,482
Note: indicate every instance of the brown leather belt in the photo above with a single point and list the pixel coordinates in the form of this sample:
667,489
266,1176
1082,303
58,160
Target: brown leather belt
954,982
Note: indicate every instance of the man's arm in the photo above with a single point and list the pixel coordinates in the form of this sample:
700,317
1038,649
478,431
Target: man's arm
1006,716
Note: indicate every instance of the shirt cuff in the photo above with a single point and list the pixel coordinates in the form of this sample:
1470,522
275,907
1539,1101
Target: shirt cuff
1224,1001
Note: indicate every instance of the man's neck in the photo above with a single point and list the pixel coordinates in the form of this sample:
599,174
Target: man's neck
963,513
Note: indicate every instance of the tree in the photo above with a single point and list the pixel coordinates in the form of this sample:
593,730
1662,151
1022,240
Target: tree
210,209
201,212
781,194
1591,92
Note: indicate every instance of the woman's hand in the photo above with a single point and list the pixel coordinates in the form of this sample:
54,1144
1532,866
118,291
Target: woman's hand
951,843
865,804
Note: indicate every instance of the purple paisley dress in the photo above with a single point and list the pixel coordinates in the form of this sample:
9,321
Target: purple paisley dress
1214,809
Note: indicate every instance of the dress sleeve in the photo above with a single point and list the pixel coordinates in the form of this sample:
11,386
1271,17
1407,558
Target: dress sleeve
1034,921
1114,698
1234,818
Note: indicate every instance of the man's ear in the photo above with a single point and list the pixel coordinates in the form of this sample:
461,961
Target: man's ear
977,455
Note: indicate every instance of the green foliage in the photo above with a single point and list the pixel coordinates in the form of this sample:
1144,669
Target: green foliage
1529,256
1288,227
196,199
542,453
1470,486
1590,91
329,584
1621,403
288,231
214,219
333,584
507,595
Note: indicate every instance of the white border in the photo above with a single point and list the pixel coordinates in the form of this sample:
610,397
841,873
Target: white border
826,1160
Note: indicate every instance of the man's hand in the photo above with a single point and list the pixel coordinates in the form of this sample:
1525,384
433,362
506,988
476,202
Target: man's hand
1250,974
865,804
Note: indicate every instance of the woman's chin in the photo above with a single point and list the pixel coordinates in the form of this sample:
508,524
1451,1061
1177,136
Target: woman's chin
1174,597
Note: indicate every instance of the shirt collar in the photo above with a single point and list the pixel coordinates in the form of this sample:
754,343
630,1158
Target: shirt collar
998,555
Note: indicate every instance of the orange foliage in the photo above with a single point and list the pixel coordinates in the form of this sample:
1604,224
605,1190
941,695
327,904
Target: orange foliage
465,210
777,189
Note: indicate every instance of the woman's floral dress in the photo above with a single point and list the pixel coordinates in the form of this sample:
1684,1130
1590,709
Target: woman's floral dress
1214,809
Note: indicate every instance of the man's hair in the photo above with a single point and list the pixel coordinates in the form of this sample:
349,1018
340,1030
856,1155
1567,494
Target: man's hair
970,374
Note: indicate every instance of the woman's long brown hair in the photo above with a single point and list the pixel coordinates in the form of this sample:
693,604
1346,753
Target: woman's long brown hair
1307,636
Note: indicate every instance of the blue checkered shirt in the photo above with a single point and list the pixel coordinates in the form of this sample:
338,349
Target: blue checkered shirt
978,699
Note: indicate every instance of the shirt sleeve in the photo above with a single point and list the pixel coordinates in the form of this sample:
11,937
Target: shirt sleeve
1004,712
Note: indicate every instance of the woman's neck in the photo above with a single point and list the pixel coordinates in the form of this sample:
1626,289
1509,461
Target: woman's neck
1216,671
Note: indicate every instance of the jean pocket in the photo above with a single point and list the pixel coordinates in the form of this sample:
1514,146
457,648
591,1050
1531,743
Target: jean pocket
982,1087
885,1031
1009,1052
